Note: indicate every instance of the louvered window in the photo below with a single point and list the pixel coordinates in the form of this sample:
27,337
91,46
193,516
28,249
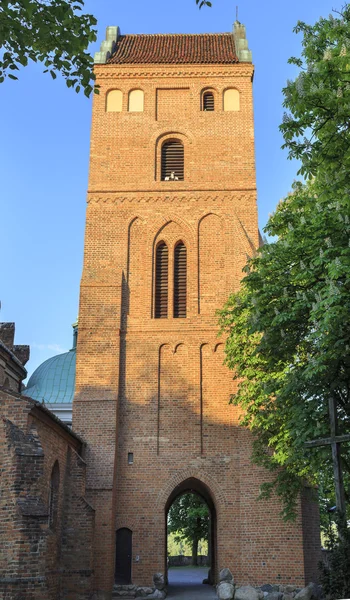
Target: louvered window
172,161
180,281
161,295
208,101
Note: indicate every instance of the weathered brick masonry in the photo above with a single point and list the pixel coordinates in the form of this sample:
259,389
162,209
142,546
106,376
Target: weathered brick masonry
157,388
46,542
12,359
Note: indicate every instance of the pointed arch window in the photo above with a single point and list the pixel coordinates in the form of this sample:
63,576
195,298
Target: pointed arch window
180,280
208,101
53,495
161,287
172,159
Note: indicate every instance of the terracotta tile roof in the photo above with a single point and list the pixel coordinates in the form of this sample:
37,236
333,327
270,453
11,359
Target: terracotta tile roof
203,48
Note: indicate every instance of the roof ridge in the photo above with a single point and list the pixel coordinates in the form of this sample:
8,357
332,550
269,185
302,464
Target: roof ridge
175,48
173,34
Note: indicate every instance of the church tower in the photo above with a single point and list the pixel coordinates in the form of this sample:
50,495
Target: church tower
171,219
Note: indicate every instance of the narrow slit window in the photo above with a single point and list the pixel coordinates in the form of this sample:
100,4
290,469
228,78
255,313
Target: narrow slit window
172,161
53,496
208,101
161,290
180,281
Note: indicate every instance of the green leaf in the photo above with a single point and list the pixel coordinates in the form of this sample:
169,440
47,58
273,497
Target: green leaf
288,328
57,34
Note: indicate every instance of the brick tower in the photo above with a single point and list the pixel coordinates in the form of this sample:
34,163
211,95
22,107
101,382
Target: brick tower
171,218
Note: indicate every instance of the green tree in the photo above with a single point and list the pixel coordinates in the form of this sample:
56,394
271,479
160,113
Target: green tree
54,32
188,519
288,328
316,124
335,575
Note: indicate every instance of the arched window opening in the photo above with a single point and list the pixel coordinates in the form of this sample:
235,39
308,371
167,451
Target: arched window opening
208,101
231,100
180,280
114,101
136,101
172,161
161,288
53,495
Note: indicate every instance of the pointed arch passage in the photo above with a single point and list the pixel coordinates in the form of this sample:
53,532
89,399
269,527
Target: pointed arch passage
180,280
161,287
172,161
192,485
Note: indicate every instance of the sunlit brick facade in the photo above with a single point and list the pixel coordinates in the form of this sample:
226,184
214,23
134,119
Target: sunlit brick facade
153,391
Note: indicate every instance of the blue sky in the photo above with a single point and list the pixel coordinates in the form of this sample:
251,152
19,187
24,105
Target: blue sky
44,150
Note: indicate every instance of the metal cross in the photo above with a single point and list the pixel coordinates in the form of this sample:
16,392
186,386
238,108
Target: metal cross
335,441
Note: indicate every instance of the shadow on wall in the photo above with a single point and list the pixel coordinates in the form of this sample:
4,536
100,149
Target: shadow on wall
174,422
46,527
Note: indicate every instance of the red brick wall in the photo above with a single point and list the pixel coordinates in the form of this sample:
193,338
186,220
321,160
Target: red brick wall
311,530
157,387
38,561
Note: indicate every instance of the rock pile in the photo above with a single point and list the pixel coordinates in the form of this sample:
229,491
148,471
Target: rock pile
226,587
157,592
227,590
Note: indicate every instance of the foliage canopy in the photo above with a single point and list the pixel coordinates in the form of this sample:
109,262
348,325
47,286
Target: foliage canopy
335,575
54,32
288,327
188,519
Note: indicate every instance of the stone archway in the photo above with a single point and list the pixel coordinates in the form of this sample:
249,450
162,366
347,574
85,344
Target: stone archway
194,485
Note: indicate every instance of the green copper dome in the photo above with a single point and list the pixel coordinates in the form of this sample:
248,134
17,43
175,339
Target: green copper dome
53,381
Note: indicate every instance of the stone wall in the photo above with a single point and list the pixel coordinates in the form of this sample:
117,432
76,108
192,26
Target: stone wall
185,561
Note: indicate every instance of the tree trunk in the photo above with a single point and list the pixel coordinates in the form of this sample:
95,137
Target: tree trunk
194,552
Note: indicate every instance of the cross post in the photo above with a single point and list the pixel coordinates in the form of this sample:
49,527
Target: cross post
335,442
